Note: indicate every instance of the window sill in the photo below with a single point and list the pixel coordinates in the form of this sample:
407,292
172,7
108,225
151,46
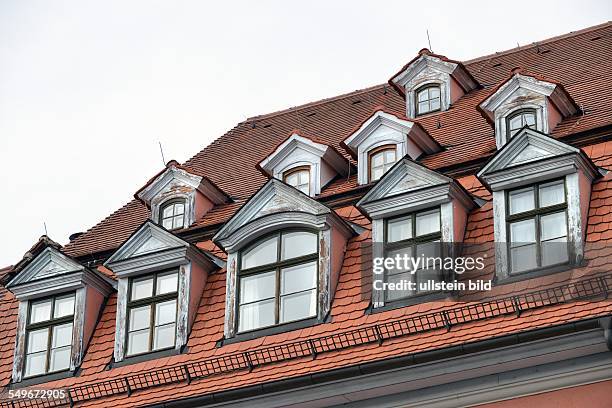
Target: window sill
409,301
268,331
145,357
535,273
43,378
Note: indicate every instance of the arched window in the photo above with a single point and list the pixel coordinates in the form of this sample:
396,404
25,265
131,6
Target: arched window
172,214
299,178
380,160
427,99
278,280
520,119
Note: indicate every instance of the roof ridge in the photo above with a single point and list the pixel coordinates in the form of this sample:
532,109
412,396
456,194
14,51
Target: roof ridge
316,103
538,43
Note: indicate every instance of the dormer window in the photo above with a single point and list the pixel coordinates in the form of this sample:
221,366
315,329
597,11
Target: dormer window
304,163
519,119
525,100
49,335
384,139
152,312
172,214
381,159
298,178
537,226
432,83
278,280
427,99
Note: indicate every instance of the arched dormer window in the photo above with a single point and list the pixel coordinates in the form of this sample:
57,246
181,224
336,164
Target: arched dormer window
172,214
298,177
427,99
380,160
278,280
519,119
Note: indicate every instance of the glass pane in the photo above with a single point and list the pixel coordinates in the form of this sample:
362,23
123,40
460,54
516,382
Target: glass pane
40,311
167,283
304,175
62,336
257,287
38,340
399,229
522,232
407,251
140,317
378,159
551,194
529,119
521,201
255,315
423,95
554,252
60,359
163,337
292,179
142,288
304,188
523,258
434,92
298,278
516,122
389,156
165,312
377,173
395,279
35,364
298,244
553,226
64,306
138,342
423,107
435,104
168,224
179,208
168,211
428,222
178,222
298,306
261,254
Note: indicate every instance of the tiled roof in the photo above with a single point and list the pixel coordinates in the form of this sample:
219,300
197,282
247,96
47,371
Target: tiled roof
578,61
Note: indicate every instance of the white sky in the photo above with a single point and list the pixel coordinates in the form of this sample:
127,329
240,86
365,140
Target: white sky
89,88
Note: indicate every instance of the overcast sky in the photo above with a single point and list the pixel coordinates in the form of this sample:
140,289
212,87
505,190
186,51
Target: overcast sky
89,88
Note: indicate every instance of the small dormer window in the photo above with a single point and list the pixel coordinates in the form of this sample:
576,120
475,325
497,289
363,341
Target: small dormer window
520,119
49,335
381,160
172,214
298,178
427,99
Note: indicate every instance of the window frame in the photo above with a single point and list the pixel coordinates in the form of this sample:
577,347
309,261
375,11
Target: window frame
298,169
412,242
423,88
520,112
168,203
276,267
150,301
49,325
536,214
377,150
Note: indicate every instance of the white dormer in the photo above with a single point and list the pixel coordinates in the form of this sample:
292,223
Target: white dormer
304,164
178,198
59,304
384,139
526,101
432,83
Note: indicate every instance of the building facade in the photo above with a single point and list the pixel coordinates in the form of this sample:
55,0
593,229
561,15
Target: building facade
244,277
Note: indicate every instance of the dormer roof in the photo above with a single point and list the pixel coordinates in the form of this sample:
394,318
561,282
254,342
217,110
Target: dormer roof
174,172
521,80
427,60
